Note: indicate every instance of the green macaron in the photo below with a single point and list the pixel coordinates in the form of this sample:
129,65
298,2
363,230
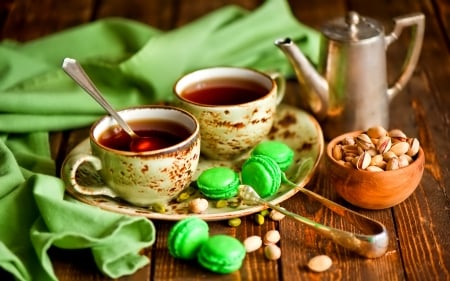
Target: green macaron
221,254
218,183
278,151
263,174
186,237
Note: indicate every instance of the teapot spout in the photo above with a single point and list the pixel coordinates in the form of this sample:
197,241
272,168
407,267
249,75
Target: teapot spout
314,87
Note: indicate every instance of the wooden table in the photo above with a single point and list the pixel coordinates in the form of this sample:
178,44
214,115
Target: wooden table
418,227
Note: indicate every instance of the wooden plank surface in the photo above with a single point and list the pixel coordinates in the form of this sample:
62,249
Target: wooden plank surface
418,228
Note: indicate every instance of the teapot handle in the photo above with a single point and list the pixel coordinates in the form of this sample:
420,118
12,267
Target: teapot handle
417,21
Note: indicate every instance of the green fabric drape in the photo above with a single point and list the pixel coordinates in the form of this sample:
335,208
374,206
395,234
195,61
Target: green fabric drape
132,64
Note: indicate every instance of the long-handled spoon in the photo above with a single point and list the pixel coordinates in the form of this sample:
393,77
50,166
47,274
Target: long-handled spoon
77,73
370,245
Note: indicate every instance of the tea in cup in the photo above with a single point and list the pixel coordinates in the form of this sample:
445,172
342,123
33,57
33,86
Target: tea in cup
145,177
235,107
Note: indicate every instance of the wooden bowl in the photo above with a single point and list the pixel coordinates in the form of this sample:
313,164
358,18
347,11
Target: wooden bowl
373,190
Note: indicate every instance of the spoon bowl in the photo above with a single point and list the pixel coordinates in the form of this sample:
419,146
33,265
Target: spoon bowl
77,73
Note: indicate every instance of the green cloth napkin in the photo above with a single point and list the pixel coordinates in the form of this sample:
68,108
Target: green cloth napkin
132,64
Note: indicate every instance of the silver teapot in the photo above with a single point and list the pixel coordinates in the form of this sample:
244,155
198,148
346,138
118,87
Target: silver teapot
349,90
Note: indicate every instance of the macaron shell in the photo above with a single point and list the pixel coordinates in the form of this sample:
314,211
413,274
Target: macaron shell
186,237
263,174
221,254
218,183
278,151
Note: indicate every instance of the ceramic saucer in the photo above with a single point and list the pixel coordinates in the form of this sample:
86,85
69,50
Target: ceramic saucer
292,126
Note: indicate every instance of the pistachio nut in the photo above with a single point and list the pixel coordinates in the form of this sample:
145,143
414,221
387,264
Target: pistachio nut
400,148
337,152
397,134
376,150
198,205
364,141
376,132
407,157
374,169
234,222
392,164
402,161
320,263
376,160
348,141
350,149
363,161
272,237
252,243
276,216
384,144
414,146
389,155
272,252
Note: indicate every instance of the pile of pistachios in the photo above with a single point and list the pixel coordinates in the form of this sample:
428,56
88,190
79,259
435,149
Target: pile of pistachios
377,150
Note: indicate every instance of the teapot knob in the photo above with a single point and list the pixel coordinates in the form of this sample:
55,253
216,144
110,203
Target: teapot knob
352,19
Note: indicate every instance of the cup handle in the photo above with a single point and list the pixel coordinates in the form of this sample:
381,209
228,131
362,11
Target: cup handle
72,165
281,84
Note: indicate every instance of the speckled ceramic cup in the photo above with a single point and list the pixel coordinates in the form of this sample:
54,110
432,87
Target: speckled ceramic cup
141,178
234,106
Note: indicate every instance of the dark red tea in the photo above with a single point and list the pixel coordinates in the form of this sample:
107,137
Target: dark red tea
160,133
224,92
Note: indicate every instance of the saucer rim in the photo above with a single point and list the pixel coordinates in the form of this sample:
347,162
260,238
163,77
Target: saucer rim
125,208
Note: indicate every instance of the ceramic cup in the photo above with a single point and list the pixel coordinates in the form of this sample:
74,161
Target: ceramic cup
234,106
141,178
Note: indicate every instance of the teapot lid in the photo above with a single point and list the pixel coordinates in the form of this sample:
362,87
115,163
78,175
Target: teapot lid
352,28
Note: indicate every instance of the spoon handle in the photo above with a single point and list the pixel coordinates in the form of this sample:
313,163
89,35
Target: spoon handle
77,73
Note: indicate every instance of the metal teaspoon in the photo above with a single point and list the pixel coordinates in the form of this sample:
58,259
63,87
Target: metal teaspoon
77,73
371,245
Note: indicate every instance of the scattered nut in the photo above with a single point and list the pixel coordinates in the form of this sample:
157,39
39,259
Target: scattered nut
272,237
198,205
234,202
259,219
252,243
276,216
375,150
234,222
221,203
272,252
185,194
158,207
264,212
320,263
